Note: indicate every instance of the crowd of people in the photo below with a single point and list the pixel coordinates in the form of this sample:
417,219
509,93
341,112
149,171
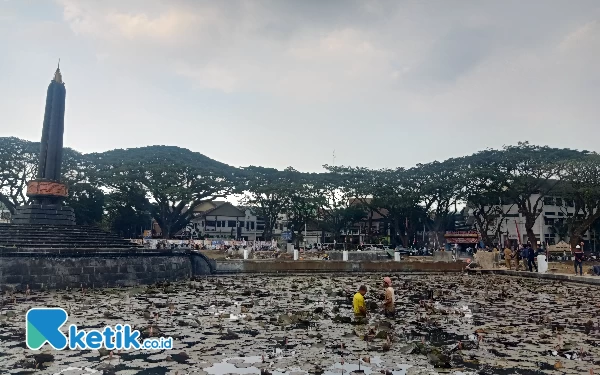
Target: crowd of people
525,258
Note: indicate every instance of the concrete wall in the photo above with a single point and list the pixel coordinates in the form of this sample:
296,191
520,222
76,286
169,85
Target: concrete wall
360,255
485,259
67,268
442,256
252,266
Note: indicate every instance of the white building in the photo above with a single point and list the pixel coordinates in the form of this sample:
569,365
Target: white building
220,219
554,211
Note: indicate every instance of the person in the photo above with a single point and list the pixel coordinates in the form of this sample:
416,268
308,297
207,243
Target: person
578,262
358,303
524,256
507,257
388,304
531,258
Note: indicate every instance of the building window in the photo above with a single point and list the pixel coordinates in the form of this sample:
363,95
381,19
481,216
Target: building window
550,239
550,213
548,221
548,201
210,223
252,225
260,227
231,223
219,224
559,201
561,214
569,203
241,224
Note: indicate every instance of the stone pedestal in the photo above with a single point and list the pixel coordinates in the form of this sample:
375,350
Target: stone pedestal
46,208
44,214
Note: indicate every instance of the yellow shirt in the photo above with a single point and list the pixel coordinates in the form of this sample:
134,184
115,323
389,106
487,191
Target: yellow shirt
357,302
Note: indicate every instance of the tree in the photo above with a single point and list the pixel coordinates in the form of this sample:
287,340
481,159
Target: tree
580,185
88,203
485,191
533,170
174,180
268,191
127,212
303,205
440,186
18,165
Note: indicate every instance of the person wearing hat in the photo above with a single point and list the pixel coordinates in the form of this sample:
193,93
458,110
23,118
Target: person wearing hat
578,262
388,304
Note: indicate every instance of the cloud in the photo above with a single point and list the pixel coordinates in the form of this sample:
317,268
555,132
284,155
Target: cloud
387,74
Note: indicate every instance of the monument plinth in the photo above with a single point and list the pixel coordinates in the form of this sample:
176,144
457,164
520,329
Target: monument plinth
47,192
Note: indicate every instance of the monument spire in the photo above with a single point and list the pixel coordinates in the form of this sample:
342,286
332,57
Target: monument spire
57,74
47,192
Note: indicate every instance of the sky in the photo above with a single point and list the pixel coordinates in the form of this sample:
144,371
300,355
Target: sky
285,83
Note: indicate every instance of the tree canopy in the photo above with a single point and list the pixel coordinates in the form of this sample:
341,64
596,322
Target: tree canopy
123,189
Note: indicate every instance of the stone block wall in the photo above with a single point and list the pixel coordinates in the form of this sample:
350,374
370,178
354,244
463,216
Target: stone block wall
485,260
360,255
16,272
442,256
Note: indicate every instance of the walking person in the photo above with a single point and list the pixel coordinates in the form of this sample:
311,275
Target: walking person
578,262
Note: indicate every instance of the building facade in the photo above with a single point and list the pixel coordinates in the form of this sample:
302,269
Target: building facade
549,228
219,219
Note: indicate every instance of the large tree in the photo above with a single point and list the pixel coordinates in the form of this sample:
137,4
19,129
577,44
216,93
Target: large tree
534,172
303,206
485,191
440,186
268,192
18,165
173,179
580,188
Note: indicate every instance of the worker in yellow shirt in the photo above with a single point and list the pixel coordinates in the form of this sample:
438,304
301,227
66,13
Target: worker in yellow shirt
358,303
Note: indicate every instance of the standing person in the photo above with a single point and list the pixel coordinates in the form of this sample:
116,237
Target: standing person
578,262
358,303
507,257
531,258
389,308
524,255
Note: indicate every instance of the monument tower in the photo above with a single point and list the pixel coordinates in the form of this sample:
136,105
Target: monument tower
46,192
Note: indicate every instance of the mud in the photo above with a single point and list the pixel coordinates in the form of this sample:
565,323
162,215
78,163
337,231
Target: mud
462,324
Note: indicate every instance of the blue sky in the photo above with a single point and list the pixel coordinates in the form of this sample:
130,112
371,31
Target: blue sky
284,83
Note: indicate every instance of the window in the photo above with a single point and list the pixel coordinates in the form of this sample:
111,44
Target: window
561,214
569,203
559,201
550,239
548,221
241,224
202,223
219,224
252,225
548,201
569,214
231,224
223,223
210,223
550,213
260,227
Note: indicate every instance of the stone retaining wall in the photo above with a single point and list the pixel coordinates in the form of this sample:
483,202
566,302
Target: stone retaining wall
299,266
361,255
57,269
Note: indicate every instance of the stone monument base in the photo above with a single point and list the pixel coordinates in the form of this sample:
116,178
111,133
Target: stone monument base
44,214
